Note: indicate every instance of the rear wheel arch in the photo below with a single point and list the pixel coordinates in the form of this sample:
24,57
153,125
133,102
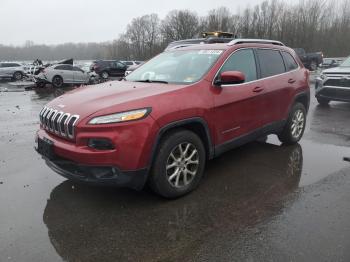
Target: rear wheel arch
304,99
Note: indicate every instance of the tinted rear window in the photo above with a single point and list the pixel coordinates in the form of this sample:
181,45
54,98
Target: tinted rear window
64,67
289,61
271,62
10,65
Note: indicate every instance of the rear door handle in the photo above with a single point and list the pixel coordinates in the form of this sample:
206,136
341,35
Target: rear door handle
258,89
291,81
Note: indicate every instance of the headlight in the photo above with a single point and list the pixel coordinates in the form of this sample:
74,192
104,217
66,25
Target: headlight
120,117
323,77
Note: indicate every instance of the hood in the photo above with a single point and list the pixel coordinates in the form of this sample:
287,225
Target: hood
337,70
115,96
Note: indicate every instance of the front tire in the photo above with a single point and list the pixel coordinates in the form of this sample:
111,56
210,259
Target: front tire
179,164
57,81
295,126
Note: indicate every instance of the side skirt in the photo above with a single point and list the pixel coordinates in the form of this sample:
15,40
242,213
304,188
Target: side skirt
272,128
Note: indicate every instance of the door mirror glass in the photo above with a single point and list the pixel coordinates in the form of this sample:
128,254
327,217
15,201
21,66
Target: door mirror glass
230,77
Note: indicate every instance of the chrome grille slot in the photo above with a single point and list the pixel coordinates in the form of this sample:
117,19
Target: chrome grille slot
41,114
62,125
58,122
51,123
47,117
55,122
70,125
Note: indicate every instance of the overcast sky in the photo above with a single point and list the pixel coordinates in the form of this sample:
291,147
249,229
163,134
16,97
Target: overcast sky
60,21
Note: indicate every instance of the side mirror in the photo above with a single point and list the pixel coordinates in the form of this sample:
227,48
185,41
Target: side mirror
230,77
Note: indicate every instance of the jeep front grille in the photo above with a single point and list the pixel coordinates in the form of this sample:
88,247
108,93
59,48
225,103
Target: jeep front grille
58,122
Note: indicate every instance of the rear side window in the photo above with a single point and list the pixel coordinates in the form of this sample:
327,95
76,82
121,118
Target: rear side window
64,67
271,62
243,61
289,61
10,65
13,65
75,68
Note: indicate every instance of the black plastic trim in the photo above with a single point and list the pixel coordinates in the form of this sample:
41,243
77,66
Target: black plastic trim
275,127
307,95
134,179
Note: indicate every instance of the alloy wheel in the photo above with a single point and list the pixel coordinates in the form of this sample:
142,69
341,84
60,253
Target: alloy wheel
298,123
182,165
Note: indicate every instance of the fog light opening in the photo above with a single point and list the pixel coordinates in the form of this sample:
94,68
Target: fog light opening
100,144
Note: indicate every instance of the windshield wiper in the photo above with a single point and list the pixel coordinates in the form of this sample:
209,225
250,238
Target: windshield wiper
152,81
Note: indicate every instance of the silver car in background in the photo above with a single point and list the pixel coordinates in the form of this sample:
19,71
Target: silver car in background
58,75
333,84
11,70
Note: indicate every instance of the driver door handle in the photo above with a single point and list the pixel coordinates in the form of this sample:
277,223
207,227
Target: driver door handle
291,81
258,89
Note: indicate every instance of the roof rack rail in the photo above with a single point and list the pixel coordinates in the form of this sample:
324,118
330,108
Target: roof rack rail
257,41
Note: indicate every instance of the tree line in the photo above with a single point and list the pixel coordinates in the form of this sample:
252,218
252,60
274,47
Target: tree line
315,25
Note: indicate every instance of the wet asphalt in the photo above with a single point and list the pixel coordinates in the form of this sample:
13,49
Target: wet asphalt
260,202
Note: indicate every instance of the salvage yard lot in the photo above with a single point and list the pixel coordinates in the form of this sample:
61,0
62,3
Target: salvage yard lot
262,201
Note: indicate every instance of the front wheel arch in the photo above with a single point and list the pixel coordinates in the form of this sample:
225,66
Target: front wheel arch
197,125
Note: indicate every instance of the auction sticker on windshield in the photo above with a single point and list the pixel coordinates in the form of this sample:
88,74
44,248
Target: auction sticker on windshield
209,52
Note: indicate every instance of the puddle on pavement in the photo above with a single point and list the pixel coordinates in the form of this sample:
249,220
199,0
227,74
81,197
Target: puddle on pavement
319,160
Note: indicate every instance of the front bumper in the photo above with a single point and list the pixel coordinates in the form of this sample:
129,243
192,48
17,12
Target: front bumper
330,92
99,175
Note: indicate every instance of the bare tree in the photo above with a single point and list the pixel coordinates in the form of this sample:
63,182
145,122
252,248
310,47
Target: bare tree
315,25
180,24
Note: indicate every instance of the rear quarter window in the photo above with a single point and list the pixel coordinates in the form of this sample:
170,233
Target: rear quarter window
271,62
289,61
64,67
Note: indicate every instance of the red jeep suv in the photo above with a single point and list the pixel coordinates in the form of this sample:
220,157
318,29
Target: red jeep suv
187,105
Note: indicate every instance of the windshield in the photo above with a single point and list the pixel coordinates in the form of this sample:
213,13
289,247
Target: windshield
176,67
346,63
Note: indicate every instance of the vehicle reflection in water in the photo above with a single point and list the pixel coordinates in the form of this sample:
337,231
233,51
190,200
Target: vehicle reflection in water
330,124
241,188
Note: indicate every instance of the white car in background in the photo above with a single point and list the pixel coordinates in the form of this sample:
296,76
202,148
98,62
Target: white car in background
12,70
61,74
131,63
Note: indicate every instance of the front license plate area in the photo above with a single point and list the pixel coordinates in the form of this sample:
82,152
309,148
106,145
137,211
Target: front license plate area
45,148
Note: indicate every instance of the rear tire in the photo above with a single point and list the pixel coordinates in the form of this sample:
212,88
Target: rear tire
17,76
323,101
104,75
179,164
295,126
57,81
